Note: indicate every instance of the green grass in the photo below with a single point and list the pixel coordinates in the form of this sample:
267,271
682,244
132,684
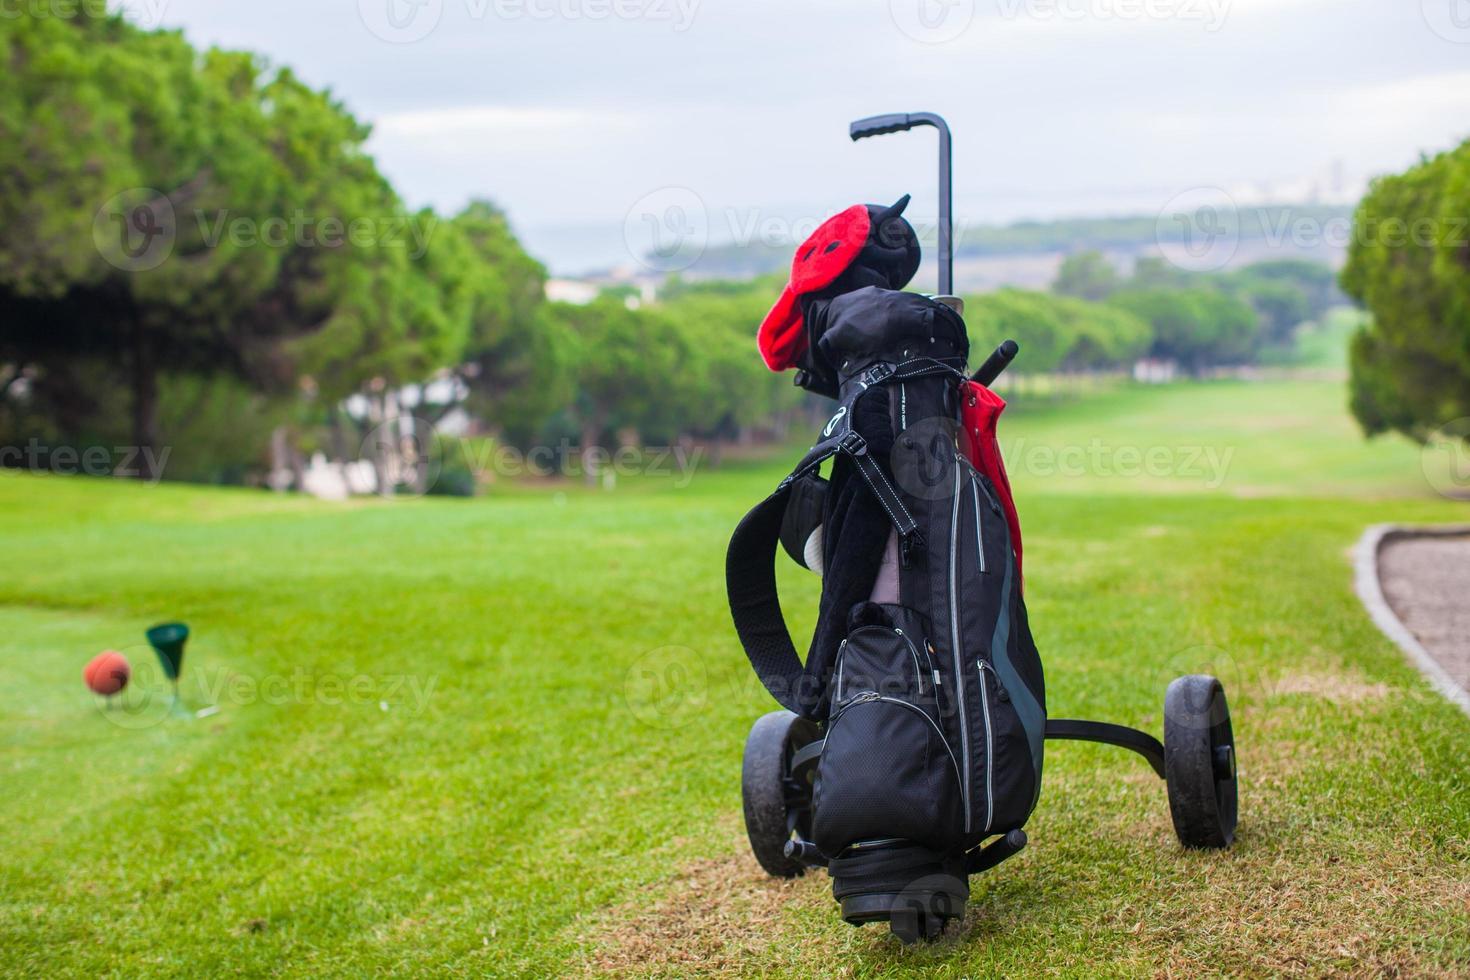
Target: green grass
503,736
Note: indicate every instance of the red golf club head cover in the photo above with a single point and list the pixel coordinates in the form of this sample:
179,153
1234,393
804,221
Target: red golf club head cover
980,414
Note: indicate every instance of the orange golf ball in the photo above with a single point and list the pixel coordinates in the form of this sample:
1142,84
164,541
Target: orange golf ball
107,673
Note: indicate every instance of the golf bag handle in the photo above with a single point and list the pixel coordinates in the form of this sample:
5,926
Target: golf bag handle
996,363
900,122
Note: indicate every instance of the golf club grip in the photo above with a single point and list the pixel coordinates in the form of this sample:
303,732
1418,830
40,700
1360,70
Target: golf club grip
997,362
894,122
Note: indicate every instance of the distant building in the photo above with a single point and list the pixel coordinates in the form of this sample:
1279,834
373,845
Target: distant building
575,291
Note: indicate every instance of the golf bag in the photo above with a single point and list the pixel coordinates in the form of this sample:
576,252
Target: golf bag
922,686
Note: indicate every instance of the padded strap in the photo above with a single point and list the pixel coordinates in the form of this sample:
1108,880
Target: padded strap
750,580
750,574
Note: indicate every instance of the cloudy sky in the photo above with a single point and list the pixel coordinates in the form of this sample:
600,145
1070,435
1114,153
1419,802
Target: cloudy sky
583,118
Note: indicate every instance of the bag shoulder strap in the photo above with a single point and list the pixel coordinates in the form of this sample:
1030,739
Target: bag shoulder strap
750,568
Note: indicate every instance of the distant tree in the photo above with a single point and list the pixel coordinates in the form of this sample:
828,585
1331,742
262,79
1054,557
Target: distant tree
1409,265
624,364
1086,275
1153,272
1195,327
1103,336
1057,332
1034,320
1280,304
163,211
514,365
1316,280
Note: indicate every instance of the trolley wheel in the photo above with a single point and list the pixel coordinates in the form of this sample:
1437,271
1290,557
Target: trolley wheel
1199,762
775,804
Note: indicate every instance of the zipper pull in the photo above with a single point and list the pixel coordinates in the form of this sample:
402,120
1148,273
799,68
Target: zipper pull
1000,688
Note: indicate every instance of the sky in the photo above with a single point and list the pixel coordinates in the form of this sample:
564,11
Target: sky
598,124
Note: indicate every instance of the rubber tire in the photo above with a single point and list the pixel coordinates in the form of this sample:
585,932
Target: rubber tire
763,775
1202,795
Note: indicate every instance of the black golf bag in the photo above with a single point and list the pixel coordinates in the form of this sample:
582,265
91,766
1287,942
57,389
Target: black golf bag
920,706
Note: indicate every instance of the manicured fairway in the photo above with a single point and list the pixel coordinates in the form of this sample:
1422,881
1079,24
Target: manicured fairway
503,735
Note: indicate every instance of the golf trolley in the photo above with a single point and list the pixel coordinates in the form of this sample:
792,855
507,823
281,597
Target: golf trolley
916,878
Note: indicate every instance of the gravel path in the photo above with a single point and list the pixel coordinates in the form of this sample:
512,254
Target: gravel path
1427,583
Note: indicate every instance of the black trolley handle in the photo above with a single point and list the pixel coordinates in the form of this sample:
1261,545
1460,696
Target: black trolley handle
900,122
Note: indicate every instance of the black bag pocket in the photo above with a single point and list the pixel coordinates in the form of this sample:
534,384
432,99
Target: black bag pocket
886,770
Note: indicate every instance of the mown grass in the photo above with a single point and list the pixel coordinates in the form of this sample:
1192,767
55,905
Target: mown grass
503,736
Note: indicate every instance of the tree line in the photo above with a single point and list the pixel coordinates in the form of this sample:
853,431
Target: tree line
1095,318
200,262
197,251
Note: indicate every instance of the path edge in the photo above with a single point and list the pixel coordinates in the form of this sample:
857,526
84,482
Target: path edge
1370,590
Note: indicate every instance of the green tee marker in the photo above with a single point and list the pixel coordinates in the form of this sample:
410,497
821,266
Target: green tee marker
167,640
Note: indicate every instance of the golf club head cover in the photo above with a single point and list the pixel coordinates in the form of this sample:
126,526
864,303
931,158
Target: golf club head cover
865,245
979,415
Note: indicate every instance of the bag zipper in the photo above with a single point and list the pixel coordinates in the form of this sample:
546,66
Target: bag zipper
955,642
982,667
841,663
979,527
868,697
913,654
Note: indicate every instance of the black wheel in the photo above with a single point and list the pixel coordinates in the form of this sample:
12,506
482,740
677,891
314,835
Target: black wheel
775,804
1199,762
